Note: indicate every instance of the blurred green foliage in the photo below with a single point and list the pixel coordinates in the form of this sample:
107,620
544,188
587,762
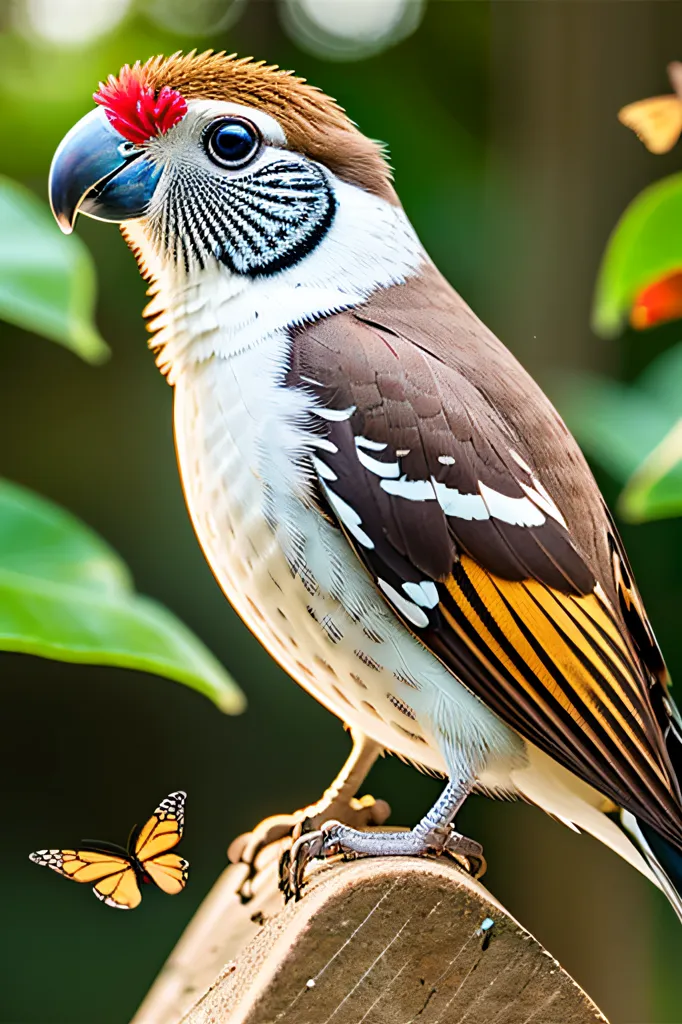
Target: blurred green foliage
47,282
633,431
64,593
509,161
636,432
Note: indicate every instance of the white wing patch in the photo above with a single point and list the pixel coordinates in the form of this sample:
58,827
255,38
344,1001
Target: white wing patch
323,470
462,506
333,415
515,511
349,517
541,498
373,446
383,469
412,490
424,593
417,616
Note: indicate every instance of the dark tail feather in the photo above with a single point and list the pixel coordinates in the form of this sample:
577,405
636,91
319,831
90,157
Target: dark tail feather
662,857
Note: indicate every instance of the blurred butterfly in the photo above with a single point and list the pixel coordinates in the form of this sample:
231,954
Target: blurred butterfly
116,873
658,120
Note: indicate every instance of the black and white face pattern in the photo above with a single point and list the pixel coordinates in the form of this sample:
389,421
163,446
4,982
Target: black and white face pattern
230,191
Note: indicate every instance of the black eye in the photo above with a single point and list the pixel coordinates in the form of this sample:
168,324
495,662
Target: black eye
232,141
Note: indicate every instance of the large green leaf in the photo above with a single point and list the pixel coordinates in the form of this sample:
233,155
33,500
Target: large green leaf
645,246
64,594
47,281
655,489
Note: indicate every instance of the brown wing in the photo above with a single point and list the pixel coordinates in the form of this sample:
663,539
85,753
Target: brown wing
469,502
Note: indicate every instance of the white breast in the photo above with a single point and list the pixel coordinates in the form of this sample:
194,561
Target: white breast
245,461
245,447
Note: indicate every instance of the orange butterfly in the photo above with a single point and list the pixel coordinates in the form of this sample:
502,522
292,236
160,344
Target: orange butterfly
657,121
116,872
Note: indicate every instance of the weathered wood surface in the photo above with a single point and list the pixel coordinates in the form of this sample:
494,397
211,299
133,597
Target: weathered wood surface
385,941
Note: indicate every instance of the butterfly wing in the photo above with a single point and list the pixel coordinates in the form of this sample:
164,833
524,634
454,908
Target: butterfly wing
163,830
112,876
169,871
656,121
161,833
120,890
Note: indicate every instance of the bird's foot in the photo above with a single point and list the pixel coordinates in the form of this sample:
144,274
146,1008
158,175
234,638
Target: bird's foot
337,838
356,813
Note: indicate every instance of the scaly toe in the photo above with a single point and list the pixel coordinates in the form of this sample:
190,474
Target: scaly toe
293,863
334,837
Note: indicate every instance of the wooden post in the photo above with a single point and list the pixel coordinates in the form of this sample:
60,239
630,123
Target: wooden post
373,941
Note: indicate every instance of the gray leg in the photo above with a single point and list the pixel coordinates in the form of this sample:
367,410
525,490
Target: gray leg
435,833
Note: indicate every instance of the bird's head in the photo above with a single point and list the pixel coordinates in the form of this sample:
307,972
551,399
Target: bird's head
209,159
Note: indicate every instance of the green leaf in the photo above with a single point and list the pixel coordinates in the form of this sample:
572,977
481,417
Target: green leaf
64,594
646,245
47,281
616,425
655,489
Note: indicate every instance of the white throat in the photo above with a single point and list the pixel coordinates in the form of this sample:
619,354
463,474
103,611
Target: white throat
213,312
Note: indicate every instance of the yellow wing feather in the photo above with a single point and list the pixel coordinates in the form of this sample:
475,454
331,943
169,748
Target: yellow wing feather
559,666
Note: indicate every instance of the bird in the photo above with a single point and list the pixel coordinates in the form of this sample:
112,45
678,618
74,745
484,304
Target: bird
386,497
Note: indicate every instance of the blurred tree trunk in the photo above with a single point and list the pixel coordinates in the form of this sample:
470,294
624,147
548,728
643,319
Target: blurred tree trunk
561,173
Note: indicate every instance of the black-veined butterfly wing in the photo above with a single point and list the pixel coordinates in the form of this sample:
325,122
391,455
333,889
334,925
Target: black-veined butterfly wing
120,891
112,876
163,830
169,871
157,836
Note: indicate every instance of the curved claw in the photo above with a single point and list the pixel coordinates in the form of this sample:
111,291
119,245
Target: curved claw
307,847
246,848
464,849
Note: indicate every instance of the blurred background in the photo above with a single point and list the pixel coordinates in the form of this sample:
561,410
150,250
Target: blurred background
501,123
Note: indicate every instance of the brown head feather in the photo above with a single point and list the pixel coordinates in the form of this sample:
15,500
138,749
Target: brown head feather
314,123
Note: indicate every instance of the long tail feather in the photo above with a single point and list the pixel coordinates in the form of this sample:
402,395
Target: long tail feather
663,859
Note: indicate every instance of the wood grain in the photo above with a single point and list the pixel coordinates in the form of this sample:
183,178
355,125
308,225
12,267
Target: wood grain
384,941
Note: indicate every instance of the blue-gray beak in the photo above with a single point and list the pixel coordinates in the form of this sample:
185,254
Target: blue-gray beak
95,171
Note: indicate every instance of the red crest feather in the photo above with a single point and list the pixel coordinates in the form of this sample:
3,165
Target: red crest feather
134,110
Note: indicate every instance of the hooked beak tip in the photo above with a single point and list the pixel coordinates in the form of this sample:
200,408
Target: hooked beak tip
65,225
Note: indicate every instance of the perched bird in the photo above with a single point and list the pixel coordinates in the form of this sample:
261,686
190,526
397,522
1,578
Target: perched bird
386,497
